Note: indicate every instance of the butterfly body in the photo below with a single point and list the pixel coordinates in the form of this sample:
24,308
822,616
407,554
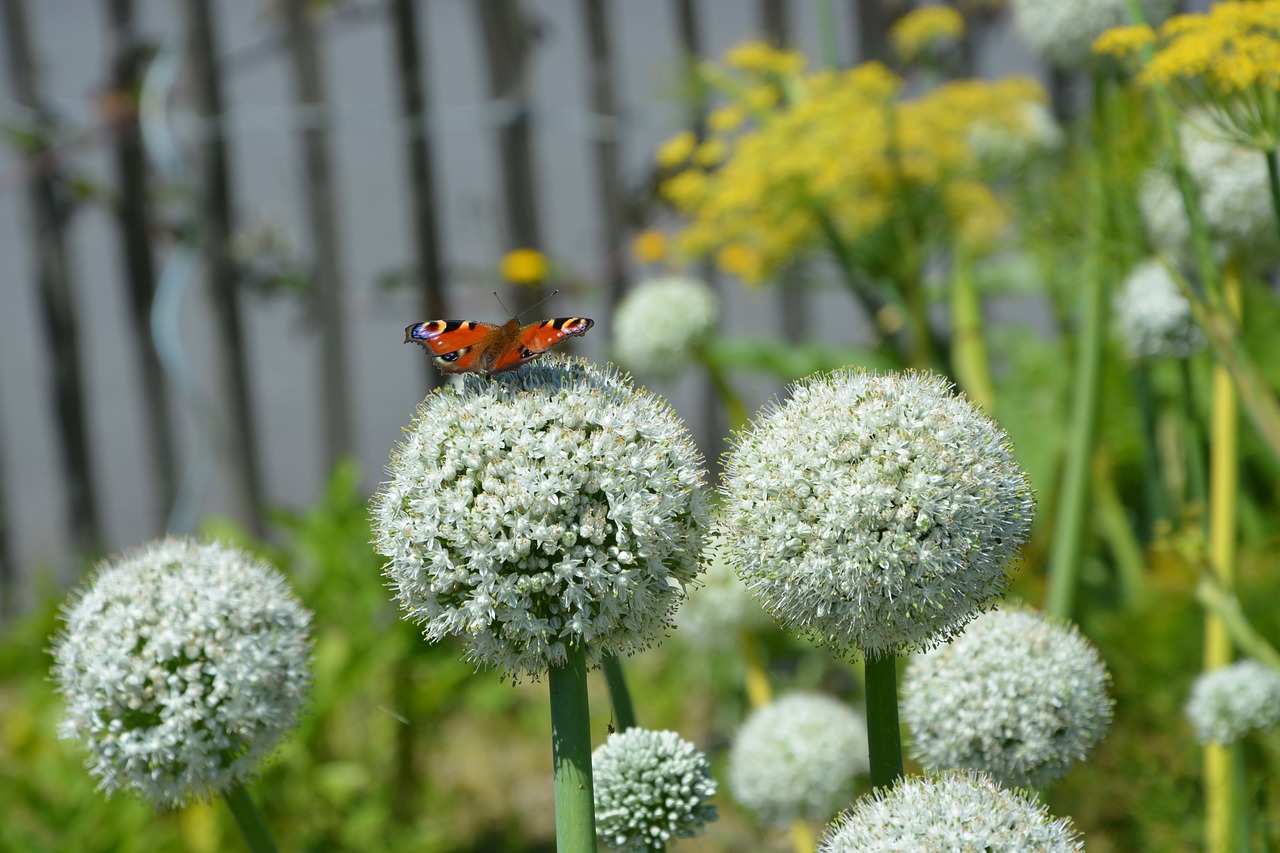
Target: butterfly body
468,346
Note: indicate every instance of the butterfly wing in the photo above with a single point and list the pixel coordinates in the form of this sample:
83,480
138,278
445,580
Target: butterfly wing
454,345
533,340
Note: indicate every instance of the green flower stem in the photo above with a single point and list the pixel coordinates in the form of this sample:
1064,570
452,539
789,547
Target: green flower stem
571,754
1273,180
1068,529
884,738
1223,793
759,691
624,713
1226,607
1197,478
1113,524
249,819
1155,490
735,410
968,348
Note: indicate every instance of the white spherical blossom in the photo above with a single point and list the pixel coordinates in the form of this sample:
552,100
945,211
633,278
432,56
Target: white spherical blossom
650,787
954,811
1235,196
719,609
797,757
1229,702
875,513
1017,695
1063,31
551,506
660,325
182,666
1152,317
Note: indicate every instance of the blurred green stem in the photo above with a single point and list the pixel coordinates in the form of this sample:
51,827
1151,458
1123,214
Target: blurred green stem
571,754
968,347
1223,794
1113,524
1226,607
884,738
735,410
624,712
249,819
1273,181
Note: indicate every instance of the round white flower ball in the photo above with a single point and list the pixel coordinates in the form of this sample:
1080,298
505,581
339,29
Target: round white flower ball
954,811
551,506
660,325
1229,702
182,665
1018,695
1152,317
650,787
1063,31
875,512
797,757
1234,192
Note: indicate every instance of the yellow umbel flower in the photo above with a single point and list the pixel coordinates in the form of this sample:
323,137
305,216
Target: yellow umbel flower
727,119
741,260
928,29
649,246
1226,60
762,58
524,266
1123,42
677,150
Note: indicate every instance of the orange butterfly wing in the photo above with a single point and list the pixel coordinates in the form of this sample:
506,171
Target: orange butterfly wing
467,346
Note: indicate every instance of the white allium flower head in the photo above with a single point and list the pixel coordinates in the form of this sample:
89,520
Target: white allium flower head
1234,196
875,512
1018,695
650,787
1229,702
797,757
954,811
182,665
720,608
659,326
1063,31
549,506
996,145
1152,317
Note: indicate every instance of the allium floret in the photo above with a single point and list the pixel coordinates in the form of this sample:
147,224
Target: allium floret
872,512
650,787
541,508
797,757
660,325
182,665
1231,701
1018,695
1152,316
954,811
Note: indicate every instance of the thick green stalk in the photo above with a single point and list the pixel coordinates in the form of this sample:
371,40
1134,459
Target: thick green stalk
571,755
624,713
884,738
1273,181
249,819
1223,793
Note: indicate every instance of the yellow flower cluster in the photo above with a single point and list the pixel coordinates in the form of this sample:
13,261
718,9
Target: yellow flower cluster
762,58
925,29
1226,60
839,163
524,266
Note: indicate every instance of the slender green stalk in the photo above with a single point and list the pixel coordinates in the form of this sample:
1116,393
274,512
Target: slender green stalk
968,347
1068,530
734,409
1113,524
759,690
1197,477
1226,607
249,819
884,738
624,713
1154,486
571,755
1223,794
1273,181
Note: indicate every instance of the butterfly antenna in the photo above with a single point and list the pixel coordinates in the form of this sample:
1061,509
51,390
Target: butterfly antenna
506,310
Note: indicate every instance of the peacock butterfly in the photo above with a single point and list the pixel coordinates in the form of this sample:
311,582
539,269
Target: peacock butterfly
467,346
